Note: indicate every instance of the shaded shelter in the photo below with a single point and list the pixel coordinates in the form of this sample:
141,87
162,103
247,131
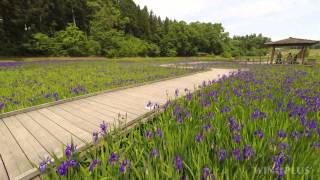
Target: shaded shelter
291,42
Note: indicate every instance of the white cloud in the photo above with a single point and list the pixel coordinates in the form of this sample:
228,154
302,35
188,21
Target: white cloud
275,18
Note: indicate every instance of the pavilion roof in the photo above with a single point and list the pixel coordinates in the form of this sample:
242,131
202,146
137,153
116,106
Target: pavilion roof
292,42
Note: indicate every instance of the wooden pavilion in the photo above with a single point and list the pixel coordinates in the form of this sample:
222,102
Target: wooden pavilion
291,42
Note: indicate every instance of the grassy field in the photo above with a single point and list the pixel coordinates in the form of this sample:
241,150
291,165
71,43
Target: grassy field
261,124
25,84
171,59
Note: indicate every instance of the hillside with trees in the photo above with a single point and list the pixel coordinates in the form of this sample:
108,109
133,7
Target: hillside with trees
112,28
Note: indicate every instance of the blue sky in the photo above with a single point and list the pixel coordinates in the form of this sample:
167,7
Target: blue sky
277,19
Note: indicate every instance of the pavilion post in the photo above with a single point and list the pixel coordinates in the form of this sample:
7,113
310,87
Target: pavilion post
303,52
272,54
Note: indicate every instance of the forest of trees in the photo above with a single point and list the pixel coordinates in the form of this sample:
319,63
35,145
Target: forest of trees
112,28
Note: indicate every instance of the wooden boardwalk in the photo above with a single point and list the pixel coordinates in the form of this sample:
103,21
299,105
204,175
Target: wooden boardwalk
27,138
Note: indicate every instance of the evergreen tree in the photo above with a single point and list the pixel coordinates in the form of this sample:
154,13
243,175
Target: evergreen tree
111,27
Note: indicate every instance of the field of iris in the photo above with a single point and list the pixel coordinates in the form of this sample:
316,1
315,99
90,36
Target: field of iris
258,124
25,84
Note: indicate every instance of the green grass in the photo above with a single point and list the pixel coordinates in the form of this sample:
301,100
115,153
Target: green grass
36,83
170,59
289,97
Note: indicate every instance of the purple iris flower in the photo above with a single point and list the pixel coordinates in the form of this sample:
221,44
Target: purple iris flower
62,170
307,133
222,155
149,104
316,145
178,163
237,153
278,160
47,96
283,145
189,96
296,134
93,164
1,105
177,111
259,133
312,124
207,174
154,153
72,163
69,150
237,138
176,92
199,137
225,109
204,84
257,114
303,121
179,119
148,134
124,164
207,127
248,152
233,125
95,136
43,165
282,134
159,132
103,127
113,158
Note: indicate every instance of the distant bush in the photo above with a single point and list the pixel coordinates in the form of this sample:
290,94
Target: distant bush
69,42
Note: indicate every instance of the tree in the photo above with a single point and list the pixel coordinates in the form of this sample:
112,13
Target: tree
110,28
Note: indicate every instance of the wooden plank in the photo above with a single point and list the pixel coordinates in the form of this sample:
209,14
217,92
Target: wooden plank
49,142
55,130
74,130
15,161
29,145
143,96
117,103
97,109
85,113
108,109
174,84
147,90
80,123
139,95
119,118
134,102
3,171
125,99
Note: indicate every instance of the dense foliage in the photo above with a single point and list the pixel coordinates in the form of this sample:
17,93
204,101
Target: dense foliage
259,124
110,28
33,83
